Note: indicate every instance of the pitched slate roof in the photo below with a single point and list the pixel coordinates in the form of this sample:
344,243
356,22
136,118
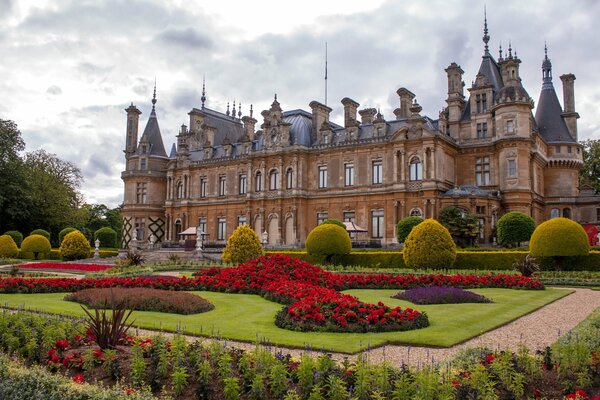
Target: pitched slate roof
152,136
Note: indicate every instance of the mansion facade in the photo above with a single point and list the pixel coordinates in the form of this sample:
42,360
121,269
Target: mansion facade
485,153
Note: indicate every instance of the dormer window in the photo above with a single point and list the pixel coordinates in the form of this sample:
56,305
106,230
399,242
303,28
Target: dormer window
144,149
510,127
481,102
143,164
325,139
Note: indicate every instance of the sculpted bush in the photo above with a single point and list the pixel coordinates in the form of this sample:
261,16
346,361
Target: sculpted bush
429,245
327,240
37,245
16,235
406,225
334,222
242,245
42,232
8,247
559,237
513,228
107,237
75,246
63,233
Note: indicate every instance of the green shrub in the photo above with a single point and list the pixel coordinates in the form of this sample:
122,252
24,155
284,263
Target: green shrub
38,245
8,247
75,246
63,233
514,227
16,235
107,237
429,245
42,232
559,237
406,225
242,245
334,222
327,240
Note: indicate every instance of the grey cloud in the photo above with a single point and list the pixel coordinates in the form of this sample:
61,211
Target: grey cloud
187,37
54,90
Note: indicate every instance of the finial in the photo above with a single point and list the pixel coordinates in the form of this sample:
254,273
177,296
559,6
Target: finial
233,113
275,96
486,37
203,98
154,95
251,111
227,113
545,51
546,69
500,51
240,110
510,56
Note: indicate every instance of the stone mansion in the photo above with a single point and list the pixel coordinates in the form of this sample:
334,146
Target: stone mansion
485,153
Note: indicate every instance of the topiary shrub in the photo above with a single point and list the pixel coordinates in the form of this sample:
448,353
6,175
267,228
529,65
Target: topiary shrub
242,245
513,228
8,247
559,238
16,235
63,233
334,222
107,237
75,246
406,225
328,240
429,245
38,245
42,232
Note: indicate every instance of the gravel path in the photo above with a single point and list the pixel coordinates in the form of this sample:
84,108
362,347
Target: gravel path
536,330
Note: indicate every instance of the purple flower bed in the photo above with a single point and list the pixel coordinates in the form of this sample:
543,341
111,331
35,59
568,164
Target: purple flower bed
440,295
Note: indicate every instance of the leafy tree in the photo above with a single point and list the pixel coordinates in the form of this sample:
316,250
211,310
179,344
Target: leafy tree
513,228
406,225
13,198
242,245
464,227
99,216
590,173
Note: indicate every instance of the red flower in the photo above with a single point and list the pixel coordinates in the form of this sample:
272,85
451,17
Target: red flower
537,393
79,378
61,344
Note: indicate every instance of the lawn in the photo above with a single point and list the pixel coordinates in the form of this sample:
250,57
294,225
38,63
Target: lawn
250,317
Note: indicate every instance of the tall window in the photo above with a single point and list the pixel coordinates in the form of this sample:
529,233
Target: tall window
140,228
510,127
203,187
377,171
273,177
180,190
242,220
554,213
322,177
141,191
512,168
566,213
415,169
258,184
222,183
289,178
377,226
481,223
349,174
221,228
482,130
242,183
482,171
557,149
481,102
202,224
143,164
321,216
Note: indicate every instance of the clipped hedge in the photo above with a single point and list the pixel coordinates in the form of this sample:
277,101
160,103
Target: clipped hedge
107,236
75,246
8,247
16,235
429,245
327,240
42,232
514,227
242,245
63,233
37,245
559,237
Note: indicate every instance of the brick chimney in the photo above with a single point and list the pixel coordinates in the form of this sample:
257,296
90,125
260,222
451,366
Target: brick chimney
350,107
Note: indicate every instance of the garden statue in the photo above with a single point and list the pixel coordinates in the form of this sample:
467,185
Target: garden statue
133,245
97,249
199,238
152,241
265,238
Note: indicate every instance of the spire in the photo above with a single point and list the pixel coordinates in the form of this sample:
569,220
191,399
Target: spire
240,110
486,37
203,98
500,52
251,111
233,110
510,56
227,113
154,96
546,70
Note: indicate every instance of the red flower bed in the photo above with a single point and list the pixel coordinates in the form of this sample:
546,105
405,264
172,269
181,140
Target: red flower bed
311,294
67,266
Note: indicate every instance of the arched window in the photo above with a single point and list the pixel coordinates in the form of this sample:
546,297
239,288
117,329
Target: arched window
566,212
289,178
554,213
258,182
416,169
180,190
273,177
416,212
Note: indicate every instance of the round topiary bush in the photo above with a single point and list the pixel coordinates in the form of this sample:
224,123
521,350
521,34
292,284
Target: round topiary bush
8,247
559,237
16,235
327,240
37,245
242,245
42,232
429,245
75,246
513,228
63,233
334,222
406,225
107,237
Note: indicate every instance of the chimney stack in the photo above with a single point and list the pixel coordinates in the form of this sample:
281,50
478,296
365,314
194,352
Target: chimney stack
320,114
350,107
569,115
406,99
367,115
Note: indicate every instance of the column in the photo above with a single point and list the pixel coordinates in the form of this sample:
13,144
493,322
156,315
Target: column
402,166
433,163
394,238
425,165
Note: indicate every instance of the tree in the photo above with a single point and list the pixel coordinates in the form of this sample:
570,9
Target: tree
513,228
429,245
242,245
464,227
13,199
406,225
590,173
99,216
327,240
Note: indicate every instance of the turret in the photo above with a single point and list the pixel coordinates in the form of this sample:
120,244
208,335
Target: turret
133,120
570,115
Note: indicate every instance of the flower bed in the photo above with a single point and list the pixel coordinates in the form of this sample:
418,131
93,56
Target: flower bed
143,299
66,267
440,295
311,295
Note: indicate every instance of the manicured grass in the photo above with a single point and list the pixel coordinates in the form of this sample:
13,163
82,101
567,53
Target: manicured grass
250,317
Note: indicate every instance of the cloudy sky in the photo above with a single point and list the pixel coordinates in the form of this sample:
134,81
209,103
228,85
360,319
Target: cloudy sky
69,68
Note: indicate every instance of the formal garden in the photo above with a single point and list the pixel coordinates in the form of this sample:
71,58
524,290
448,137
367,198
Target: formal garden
302,324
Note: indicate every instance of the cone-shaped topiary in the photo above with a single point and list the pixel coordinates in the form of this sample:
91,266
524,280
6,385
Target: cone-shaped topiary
63,233
42,232
429,245
38,245
406,225
16,235
242,245
8,247
107,237
334,222
327,240
513,228
75,246
559,237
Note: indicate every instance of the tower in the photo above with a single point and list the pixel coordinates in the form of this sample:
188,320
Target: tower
131,135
